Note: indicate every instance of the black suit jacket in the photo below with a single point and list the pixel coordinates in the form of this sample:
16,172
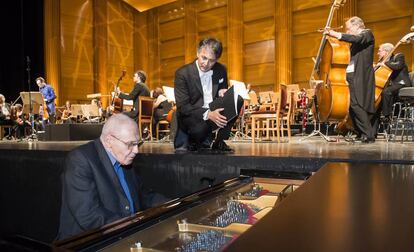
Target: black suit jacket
92,194
362,53
189,91
400,70
140,89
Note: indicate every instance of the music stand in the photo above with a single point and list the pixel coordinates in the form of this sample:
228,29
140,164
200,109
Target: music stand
89,111
316,122
240,89
31,105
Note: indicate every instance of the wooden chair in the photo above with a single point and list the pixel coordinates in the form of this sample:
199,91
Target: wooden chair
294,90
271,122
166,128
145,115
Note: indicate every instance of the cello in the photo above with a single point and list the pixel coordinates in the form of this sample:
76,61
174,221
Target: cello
117,103
329,75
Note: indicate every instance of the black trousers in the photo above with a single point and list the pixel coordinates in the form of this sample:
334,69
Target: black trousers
199,130
360,117
388,96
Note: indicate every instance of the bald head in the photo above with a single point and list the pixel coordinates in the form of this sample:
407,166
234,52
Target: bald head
118,123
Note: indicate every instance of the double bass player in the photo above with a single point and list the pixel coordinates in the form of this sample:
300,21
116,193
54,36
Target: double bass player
359,75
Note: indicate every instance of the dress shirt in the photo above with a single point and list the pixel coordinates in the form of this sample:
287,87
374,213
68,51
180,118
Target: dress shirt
120,173
207,84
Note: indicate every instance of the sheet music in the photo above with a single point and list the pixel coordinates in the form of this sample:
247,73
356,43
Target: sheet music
169,93
239,89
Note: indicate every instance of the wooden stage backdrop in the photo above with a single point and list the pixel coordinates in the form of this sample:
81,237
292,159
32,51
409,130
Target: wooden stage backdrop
266,42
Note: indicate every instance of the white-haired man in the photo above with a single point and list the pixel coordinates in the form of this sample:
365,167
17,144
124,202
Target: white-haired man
399,77
360,75
98,186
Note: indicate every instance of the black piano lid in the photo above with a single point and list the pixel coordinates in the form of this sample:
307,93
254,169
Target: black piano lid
343,207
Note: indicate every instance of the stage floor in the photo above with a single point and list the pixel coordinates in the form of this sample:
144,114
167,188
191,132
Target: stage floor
314,148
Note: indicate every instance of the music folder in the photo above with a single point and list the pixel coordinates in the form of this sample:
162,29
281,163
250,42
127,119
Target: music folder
228,102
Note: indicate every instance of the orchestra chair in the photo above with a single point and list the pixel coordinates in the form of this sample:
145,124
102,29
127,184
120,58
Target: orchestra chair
294,89
273,121
145,114
165,128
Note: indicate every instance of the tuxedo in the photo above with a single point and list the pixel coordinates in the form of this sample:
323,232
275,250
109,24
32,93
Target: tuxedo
361,81
92,194
140,89
189,97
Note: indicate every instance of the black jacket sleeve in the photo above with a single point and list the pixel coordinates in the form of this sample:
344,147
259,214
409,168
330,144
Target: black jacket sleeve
133,94
365,37
397,63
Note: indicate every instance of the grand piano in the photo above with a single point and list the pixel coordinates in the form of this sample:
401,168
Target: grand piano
342,207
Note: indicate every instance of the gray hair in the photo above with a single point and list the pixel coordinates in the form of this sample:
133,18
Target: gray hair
2,96
212,43
388,47
115,123
357,21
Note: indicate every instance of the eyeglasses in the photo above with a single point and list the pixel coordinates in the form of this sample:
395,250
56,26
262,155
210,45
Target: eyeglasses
130,144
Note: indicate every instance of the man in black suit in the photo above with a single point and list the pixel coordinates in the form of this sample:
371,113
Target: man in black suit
197,85
140,89
99,187
360,75
399,78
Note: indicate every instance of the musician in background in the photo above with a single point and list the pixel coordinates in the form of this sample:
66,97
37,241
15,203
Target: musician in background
360,75
161,107
21,122
5,114
49,97
398,79
140,89
67,116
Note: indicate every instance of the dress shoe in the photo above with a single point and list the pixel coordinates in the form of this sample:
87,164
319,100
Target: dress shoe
365,139
221,146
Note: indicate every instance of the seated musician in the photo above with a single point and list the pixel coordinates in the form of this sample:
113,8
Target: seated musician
5,113
398,79
161,107
67,116
197,85
99,184
21,122
140,89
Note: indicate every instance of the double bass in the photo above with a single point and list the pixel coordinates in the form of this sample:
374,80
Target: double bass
117,103
329,75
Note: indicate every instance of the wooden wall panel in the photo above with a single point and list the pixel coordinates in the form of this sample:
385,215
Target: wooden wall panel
306,45
310,20
202,5
213,19
120,54
259,30
373,11
309,4
262,74
258,9
171,11
76,50
172,29
172,48
260,52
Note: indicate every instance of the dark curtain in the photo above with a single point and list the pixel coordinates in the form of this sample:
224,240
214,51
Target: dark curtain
22,28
